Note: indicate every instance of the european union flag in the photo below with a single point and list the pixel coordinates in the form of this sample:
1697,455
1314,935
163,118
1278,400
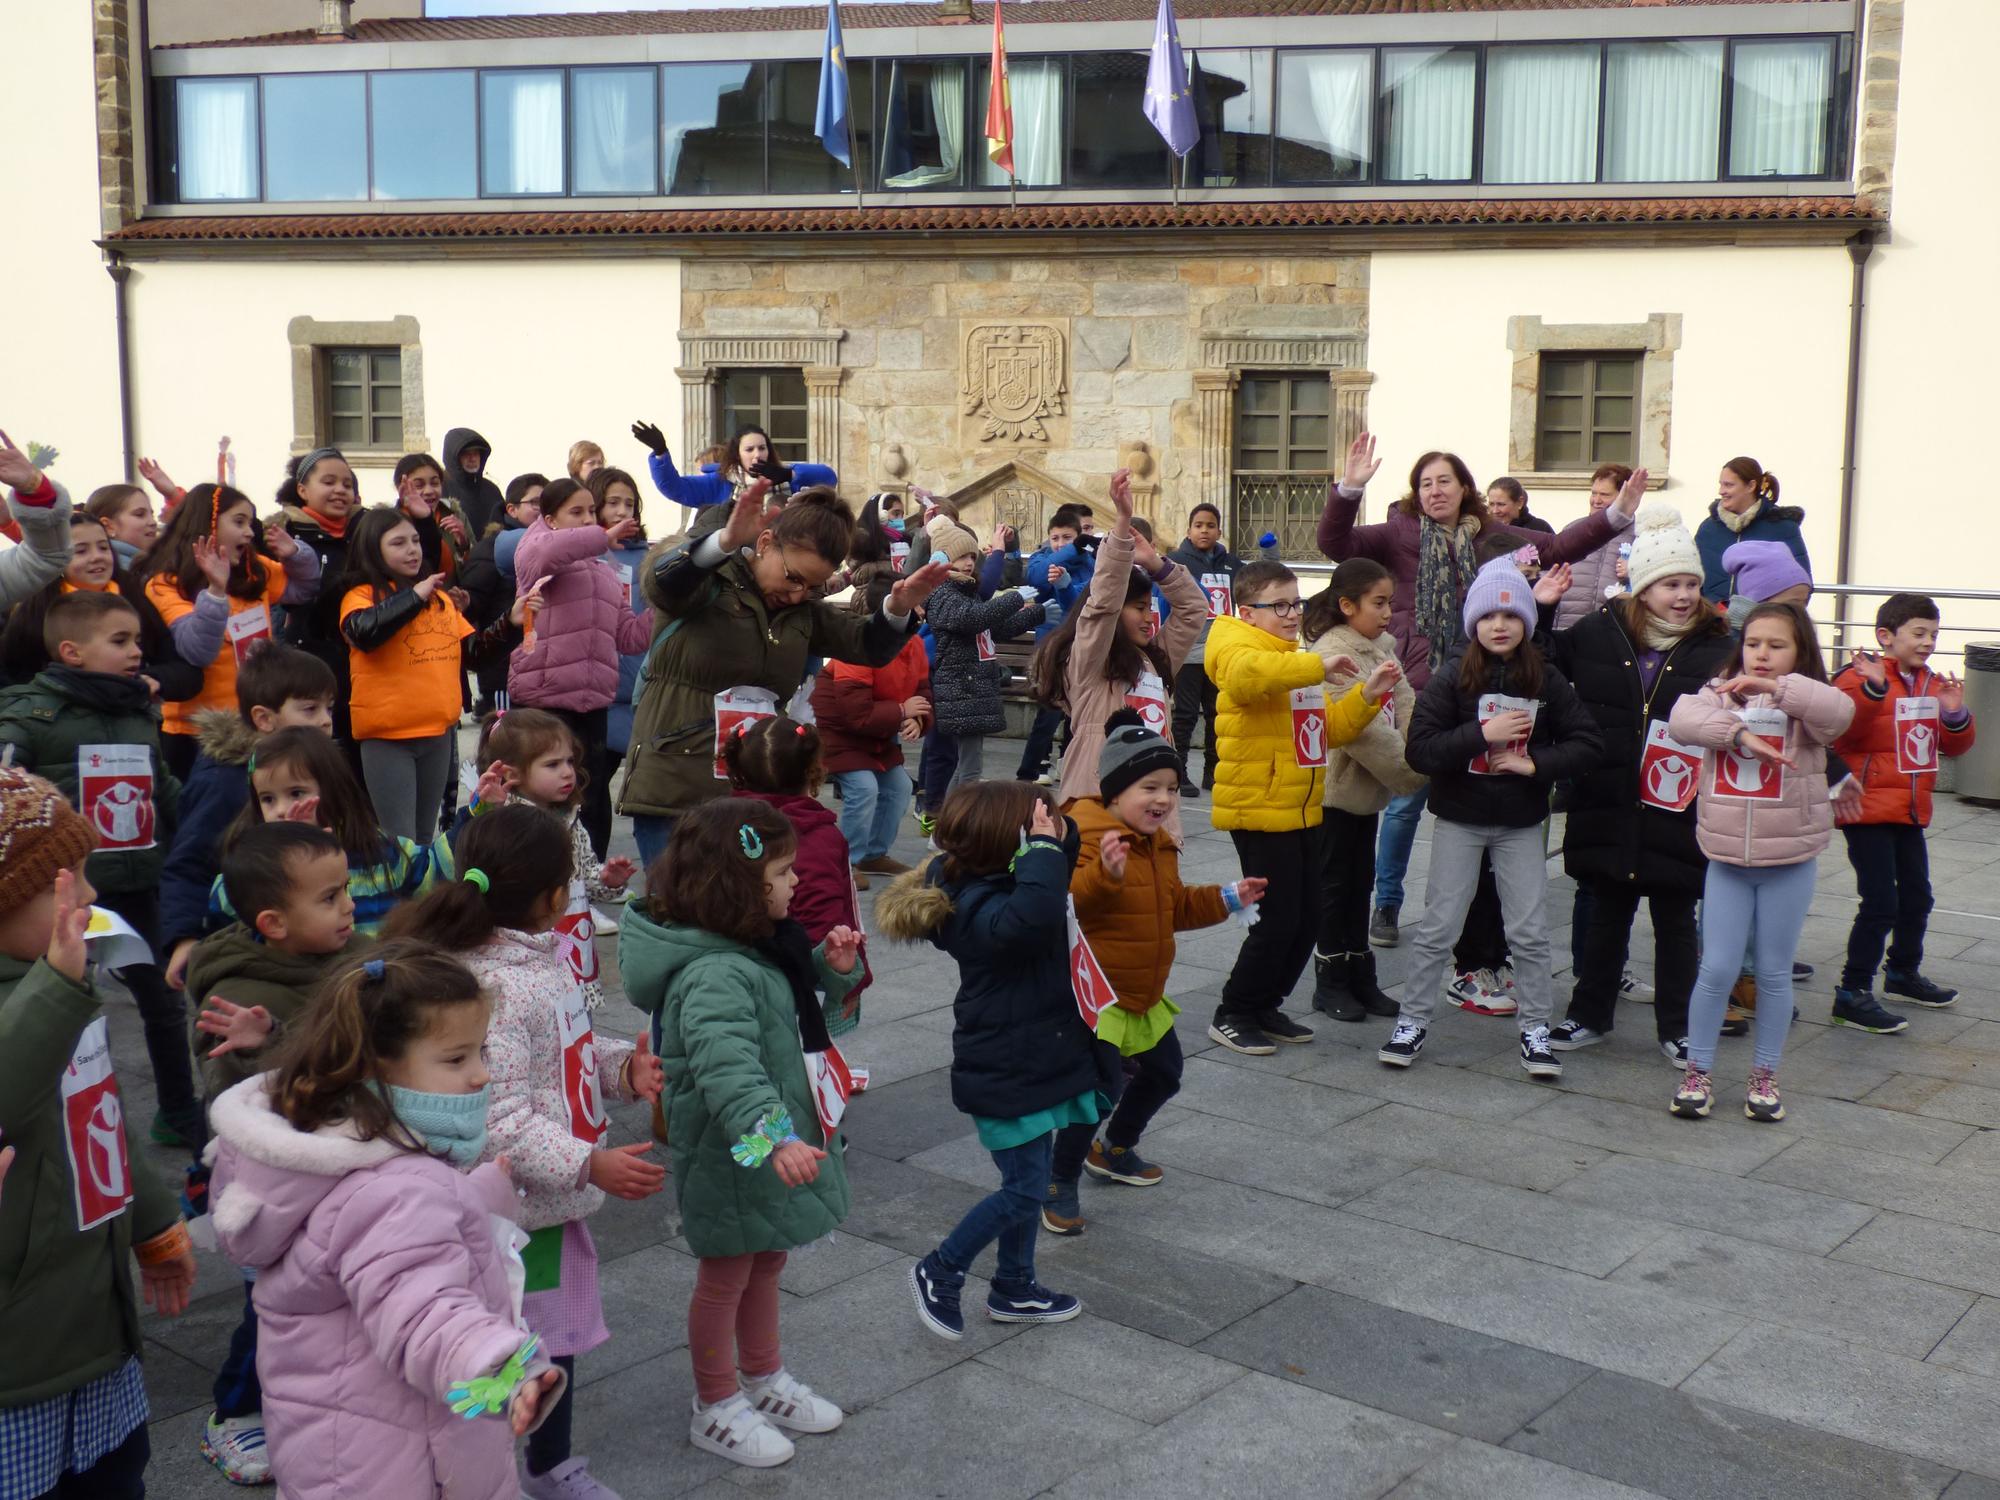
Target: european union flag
1168,103
830,119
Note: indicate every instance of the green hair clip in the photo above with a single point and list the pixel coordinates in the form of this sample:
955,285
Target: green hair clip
476,876
488,1395
771,1132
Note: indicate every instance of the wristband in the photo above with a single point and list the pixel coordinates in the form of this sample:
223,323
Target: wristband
1231,902
490,1395
169,1244
757,1144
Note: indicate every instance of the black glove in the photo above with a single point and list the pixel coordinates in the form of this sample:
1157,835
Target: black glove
650,434
772,470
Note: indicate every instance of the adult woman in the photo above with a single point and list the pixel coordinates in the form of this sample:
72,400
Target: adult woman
1507,505
1746,509
750,457
1595,578
735,592
316,503
1427,546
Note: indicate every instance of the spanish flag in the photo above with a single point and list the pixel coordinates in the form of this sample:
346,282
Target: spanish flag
999,103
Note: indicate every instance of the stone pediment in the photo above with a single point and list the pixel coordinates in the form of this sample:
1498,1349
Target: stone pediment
1009,491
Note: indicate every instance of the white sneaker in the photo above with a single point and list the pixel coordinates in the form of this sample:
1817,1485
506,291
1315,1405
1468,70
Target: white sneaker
569,1480
235,1445
791,1403
1505,977
1481,992
737,1431
602,920
1676,1052
1632,987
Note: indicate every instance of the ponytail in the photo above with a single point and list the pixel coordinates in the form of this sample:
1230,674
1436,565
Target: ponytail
508,861
1763,483
816,518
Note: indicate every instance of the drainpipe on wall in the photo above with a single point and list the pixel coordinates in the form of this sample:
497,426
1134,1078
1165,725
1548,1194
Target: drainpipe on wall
120,272
1858,250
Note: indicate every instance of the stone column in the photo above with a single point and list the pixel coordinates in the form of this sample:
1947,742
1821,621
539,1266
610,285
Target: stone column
823,413
117,143
1350,410
1213,390
697,416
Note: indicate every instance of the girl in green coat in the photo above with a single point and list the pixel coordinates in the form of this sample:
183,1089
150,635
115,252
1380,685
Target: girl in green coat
754,1091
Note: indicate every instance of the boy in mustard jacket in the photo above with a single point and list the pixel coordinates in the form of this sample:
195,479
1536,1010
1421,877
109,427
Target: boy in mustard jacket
1274,729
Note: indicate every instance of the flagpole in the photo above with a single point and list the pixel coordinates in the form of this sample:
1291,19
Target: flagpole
1013,191
1180,171
854,155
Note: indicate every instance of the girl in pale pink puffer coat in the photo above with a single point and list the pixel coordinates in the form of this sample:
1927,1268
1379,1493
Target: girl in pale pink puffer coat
585,621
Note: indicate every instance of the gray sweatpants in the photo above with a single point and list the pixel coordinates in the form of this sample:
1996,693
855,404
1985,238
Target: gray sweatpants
1520,868
405,780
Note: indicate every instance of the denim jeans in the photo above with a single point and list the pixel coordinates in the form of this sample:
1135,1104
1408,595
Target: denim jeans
1012,1215
1892,871
934,768
1393,845
651,833
872,803
237,1390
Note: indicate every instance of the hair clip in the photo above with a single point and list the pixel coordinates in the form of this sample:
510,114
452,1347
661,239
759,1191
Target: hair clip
799,730
752,842
476,876
374,968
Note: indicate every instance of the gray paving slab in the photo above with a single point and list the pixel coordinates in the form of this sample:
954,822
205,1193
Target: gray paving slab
641,1292
1468,1469
899,1120
1948,1254
1104,1362
1319,1169
1965,1103
1725,1142
175,1384
1283,1104
1532,1225
1509,1153
1463,1092
1869,1128
1956,1197
1980,1152
1152,1285
1973,1344
1639,1186
1973,1487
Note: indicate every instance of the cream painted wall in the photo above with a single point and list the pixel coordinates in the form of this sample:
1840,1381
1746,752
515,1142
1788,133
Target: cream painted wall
505,350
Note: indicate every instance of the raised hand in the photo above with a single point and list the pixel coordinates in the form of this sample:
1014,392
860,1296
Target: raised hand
1340,665
796,1163
619,1172
1144,553
15,470
1949,690
912,590
1361,462
1112,850
243,1028
429,586
1871,667
843,949
1553,584
66,950
1000,537
280,543
305,810
455,526
1121,498
1633,491
746,516
495,782
771,469
1746,686
620,532
650,434
1042,823
1513,724
214,566
645,1074
1382,682
157,477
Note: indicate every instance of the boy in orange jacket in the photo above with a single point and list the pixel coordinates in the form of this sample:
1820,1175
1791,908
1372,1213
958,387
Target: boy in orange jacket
1907,719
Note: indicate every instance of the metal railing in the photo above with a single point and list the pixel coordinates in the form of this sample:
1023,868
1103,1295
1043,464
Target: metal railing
1286,504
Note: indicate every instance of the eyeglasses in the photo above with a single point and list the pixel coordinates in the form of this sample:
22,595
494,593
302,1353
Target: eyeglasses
1284,609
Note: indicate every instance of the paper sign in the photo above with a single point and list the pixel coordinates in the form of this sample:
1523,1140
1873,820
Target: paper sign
832,1085
983,644
114,790
1309,748
1220,589
1668,770
1916,736
247,627
94,1130
860,1076
1491,706
1748,777
583,1086
1087,978
114,942
899,553
1148,698
1152,616
735,711
576,934
625,582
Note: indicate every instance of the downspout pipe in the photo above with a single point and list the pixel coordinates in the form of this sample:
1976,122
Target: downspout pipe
120,273
1859,249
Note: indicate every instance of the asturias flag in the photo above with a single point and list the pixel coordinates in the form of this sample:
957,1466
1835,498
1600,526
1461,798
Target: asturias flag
1169,105
830,119
999,103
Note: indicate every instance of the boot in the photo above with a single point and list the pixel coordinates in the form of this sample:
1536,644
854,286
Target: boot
1361,976
1332,995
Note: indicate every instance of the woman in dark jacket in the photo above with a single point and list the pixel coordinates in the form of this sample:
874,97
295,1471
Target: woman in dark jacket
1745,509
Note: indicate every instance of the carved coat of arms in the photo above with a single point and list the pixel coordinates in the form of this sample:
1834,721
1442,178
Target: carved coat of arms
1013,379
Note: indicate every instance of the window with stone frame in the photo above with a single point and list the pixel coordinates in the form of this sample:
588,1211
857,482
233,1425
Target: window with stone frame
774,400
1282,455
361,396
1589,410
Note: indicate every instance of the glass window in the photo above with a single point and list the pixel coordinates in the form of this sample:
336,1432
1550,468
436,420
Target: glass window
1778,107
799,162
1035,85
1324,101
218,139
315,137
1283,454
1662,111
521,135
1119,147
613,130
423,133
774,400
924,134
1427,95
1541,114
362,397
1589,408
712,129
1232,105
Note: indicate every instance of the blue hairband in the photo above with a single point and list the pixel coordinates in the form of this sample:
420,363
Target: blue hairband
374,968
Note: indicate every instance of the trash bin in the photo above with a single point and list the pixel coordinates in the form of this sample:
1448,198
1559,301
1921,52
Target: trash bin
1979,768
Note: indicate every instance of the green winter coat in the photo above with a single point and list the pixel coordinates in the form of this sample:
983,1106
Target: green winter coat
66,1296
48,721
241,967
726,1031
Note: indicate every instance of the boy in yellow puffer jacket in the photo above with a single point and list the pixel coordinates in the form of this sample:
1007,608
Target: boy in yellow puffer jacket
1274,729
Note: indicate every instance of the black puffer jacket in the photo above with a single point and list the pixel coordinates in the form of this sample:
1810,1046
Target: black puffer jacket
1610,834
1445,736
965,690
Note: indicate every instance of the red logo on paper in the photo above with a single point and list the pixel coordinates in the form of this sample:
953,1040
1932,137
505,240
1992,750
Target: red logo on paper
1741,774
118,803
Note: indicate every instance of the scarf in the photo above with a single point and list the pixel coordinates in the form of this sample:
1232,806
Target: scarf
1738,521
327,524
1444,562
791,952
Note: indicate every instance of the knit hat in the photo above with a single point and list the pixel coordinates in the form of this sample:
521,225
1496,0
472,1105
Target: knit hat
1661,548
1498,589
1131,751
950,538
39,835
1762,569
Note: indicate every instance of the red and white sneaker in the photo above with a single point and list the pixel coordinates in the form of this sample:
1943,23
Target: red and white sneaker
1481,992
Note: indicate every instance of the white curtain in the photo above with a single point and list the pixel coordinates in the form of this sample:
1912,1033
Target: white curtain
1663,112
1541,114
218,139
613,125
947,91
1777,117
1324,99
1037,88
1430,114
524,118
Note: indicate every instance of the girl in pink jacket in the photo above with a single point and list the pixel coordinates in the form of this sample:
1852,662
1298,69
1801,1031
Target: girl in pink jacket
552,1077
1762,816
390,1324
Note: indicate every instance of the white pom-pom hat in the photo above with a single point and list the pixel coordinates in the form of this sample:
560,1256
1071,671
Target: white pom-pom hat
1661,547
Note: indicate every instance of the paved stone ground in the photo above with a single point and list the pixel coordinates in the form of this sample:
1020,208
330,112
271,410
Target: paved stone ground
1356,1282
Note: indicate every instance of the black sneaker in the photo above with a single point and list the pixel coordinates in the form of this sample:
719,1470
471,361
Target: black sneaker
936,1291
1537,1056
1188,789
1801,973
1382,930
1570,1036
1240,1036
1404,1043
1280,1027
1860,1009
1033,1303
1061,1212
1919,990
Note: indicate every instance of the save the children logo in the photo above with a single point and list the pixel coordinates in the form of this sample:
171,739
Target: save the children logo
94,1130
114,786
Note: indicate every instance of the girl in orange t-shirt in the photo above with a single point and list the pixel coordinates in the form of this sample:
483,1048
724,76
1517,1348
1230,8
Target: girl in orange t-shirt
404,633
217,594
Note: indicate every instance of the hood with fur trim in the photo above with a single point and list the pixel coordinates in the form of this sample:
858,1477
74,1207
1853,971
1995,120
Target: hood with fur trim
225,737
914,908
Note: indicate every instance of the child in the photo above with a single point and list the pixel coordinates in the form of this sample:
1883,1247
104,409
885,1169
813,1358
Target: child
1763,573
1130,902
1493,730
1350,619
1024,1066
250,982
125,511
278,687
776,762
748,457
1907,718
94,567
318,501
87,724
527,756
1763,818
1214,567
551,1078
72,1402
966,680
1060,570
441,531
1274,728
733,988
616,495
382,1281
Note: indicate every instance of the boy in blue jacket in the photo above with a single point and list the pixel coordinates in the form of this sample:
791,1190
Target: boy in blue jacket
1060,570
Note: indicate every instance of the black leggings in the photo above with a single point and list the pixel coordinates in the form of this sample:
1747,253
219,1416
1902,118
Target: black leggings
548,1444
119,1475
1275,951
1156,1079
1346,881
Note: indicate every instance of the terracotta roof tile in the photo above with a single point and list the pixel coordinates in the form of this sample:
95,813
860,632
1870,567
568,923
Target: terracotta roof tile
994,218
812,18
